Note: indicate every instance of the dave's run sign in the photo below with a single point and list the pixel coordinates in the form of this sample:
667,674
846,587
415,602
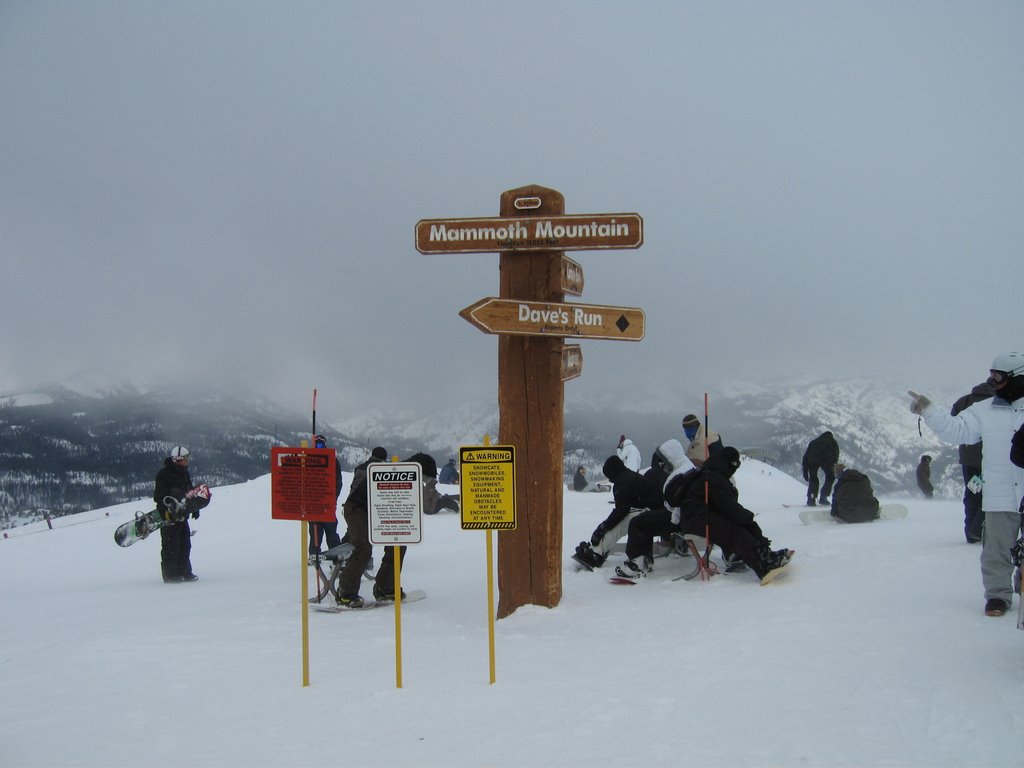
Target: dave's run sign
487,486
302,484
395,493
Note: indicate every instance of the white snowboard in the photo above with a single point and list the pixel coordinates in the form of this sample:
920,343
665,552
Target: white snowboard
823,514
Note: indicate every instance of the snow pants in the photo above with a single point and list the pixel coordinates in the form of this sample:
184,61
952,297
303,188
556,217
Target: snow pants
175,551
1000,535
974,517
612,536
358,521
812,483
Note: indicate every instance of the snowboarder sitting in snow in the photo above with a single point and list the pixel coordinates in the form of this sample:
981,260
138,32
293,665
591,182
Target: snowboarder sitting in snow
731,525
633,495
449,474
853,500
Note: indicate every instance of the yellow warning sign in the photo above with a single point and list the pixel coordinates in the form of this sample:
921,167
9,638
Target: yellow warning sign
487,487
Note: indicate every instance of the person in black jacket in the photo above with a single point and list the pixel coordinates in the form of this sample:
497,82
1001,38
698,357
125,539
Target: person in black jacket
633,494
1017,448
853,499
357,518
924,476
730,524
822,453
174,480
319,531
970,466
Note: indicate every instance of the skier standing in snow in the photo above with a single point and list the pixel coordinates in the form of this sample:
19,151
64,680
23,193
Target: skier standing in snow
174,480
924,476
629,454
994,422
633,494
329,531
822,453
970,466
700,445
357,518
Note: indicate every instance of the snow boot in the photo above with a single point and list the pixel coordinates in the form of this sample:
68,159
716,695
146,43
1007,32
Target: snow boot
350,602
587,557
996,607
635,569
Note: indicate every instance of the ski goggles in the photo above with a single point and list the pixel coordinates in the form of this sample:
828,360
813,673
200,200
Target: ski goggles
996,378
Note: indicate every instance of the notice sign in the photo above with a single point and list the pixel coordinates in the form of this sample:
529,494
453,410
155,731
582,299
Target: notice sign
302,484
396,503
487,487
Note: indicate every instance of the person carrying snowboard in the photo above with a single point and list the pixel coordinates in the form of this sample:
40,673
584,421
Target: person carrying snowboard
174,480
853,499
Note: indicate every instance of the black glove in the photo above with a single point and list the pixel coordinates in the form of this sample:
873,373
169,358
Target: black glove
598,534
195,514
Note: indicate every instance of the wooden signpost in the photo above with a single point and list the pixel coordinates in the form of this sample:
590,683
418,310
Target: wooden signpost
531,320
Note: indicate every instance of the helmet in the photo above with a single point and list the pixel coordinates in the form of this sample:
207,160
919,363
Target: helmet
1011,363
320,441
179,452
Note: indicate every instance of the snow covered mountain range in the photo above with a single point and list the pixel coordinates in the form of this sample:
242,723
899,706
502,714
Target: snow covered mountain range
65,449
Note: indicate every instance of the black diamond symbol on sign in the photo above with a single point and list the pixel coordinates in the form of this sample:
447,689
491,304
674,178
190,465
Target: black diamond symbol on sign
622,323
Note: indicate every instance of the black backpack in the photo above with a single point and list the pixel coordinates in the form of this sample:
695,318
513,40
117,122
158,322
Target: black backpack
676,489
853,500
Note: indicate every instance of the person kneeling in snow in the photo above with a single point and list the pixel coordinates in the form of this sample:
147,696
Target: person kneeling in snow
853,499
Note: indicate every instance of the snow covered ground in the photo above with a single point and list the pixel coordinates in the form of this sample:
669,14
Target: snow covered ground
873,650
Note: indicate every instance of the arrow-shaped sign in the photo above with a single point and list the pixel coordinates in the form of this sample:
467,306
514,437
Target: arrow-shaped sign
535,318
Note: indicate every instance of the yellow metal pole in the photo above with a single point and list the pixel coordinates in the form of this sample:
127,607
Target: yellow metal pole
490,600
304,534
397,552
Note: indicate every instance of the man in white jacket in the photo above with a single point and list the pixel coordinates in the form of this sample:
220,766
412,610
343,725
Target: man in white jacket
993,422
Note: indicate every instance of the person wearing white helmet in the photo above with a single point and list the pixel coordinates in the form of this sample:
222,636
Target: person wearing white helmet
994,422
174,480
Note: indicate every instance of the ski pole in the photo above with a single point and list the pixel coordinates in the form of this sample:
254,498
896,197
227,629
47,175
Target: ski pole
707,492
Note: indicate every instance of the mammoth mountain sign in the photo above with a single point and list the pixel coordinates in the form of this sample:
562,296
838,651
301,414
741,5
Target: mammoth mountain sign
530,233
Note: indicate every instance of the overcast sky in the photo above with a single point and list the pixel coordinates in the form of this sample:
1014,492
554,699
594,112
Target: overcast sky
230,189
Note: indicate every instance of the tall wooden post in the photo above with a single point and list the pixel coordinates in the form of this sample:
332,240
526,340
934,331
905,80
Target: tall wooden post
531,415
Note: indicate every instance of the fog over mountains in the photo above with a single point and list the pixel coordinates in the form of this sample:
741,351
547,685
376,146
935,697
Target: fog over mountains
66,449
